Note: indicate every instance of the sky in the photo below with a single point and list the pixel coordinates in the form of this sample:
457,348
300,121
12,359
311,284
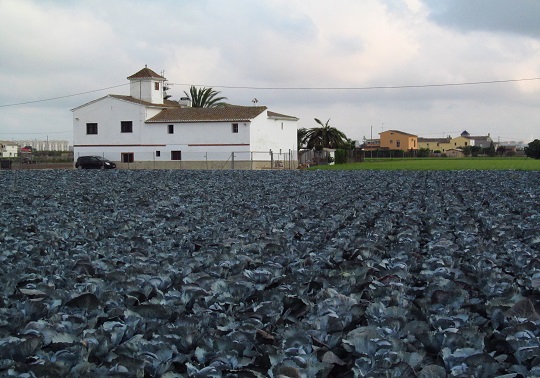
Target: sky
432,68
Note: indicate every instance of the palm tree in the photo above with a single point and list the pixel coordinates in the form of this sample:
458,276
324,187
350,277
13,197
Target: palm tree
205,98
301,136
324,136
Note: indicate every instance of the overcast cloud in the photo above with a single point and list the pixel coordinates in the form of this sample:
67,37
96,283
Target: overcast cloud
51,49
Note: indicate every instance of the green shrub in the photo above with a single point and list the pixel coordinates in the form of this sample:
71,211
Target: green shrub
533,149
341,156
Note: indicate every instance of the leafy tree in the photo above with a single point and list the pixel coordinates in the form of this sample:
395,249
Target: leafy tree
324,136
490,151
350,144
476,150
533,149
205,97
467,150
501,151
423,152
341,156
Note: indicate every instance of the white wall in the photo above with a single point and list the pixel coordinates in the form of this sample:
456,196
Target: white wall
9,150
108,114
197,133
144,90
273,134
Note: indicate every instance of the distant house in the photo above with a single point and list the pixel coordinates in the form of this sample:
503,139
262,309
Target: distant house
454,153
449,143
8,149
434,144
461,141
144,130
398,140
481,141
371,144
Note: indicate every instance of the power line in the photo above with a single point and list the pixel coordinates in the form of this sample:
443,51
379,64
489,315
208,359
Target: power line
294,88
366,88
37,133
59,97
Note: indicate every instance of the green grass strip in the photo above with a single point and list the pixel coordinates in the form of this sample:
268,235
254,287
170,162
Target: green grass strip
440,164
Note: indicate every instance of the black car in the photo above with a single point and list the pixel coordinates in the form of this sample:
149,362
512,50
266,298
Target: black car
94,162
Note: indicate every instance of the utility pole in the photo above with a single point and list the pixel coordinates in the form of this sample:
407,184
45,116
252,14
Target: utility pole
371,142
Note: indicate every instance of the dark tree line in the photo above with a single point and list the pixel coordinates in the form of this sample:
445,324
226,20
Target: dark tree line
533,149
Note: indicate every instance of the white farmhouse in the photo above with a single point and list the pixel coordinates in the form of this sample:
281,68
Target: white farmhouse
143,130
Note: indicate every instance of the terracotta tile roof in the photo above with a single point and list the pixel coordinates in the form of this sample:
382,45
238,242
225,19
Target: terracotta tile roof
281,116
221,114
145,73
397,131
433,140
166,103
481,137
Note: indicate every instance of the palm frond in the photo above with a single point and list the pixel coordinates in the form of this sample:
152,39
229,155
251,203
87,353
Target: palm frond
205,97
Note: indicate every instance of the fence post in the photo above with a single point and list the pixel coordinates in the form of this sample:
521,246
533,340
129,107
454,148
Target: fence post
290,159
232,160
271,160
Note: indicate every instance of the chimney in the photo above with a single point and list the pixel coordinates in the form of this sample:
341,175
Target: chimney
185,102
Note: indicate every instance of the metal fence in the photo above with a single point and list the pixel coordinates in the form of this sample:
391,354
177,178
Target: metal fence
210,160
308,158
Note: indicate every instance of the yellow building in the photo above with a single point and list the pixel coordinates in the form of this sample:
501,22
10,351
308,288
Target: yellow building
435,144
398,140
461,141
444,144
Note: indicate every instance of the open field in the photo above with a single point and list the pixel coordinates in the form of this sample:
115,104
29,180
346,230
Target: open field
423,164
524,164
42,165
267,274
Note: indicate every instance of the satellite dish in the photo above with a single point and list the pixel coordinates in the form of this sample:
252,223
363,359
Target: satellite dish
254,101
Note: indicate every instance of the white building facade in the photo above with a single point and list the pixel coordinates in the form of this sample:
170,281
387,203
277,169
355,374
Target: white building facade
8,149
45,145
145,131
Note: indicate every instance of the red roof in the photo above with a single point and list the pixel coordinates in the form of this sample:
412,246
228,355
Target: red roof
220,114
397,131
146,73
166,103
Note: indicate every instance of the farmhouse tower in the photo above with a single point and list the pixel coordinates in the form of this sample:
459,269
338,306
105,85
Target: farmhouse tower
146,85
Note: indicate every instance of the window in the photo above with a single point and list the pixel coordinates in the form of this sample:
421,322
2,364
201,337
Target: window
170,129
91,128
234,127
158,153
156,86
391,141
398,143
176,155
126,126
127,157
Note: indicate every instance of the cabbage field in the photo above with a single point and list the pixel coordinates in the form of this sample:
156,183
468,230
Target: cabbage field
270,273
